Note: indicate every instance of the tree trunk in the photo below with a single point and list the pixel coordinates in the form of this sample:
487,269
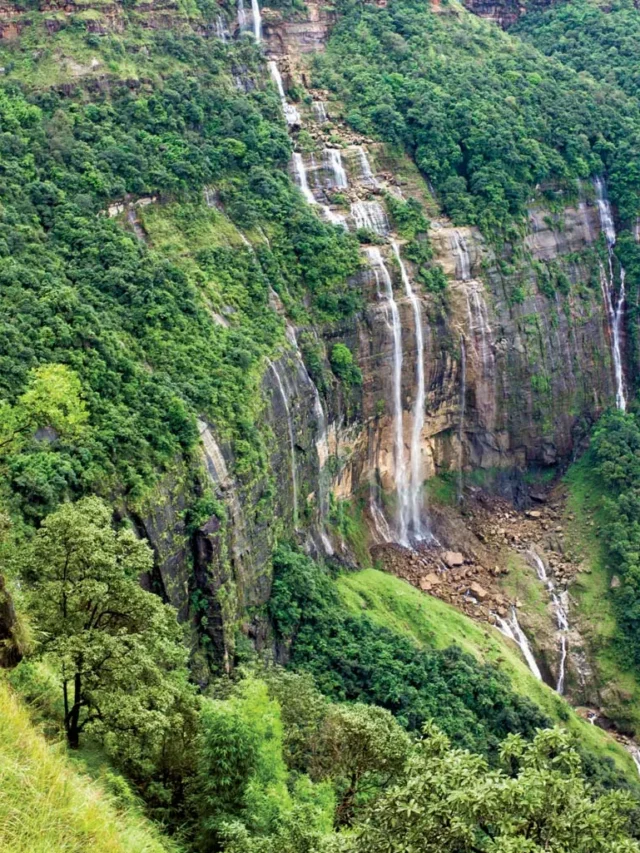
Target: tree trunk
72,723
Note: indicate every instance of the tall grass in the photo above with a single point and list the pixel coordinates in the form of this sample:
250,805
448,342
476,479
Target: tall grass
46,806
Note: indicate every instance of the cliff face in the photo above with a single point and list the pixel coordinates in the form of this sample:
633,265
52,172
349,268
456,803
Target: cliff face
513,365
504,12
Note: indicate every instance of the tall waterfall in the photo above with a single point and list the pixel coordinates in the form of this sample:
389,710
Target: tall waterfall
242,16
221,29
292,442
366,172
402,486
463,271
334,162
616,314
511,629
561,611
415,453
463,403
257,21
301,177
370,215
291,114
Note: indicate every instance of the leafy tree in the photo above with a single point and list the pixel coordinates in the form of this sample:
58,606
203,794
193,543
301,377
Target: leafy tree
116,647
51,399
450,800
362,745
343,366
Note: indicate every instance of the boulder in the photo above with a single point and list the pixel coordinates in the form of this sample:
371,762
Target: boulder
453,559
615,582
478,591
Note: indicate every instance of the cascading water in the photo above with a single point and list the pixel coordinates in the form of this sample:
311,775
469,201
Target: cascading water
463,271
257,21
333,159
385,291
415,454
291,114
320,112
334,217
511,629
561,610
221,29
609,292
370,215
301,177
242,16
292,443
366,173
463,403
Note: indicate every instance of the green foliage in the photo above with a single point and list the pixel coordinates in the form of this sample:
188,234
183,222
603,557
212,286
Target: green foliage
485,117
131,317
616,447
114,647
538,801
353,658
407,216
342,364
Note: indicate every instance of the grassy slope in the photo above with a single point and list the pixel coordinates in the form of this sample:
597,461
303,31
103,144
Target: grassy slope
621,690
46,806
397,605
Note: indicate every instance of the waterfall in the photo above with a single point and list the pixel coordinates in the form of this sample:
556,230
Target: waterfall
334,162
402,487
365,168
369,215
463,271
480,327
334,217
463,402
322,441
415,453
561,610
616,314
291,114
511,629
320,112
292,443
301,177
242,16
257,21
221,29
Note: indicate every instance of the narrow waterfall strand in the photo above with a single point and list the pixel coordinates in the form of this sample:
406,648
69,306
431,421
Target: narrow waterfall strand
402,487
511,629
334,162
291,114
257,21
415,453
292,443
608,287
463,402
301,177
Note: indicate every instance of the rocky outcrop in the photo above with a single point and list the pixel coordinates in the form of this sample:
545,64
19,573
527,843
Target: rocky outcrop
504,12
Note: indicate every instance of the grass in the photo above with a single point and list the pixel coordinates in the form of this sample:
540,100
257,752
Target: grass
47,806
620,690
394,604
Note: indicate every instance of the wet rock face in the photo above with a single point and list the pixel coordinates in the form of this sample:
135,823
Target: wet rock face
504,12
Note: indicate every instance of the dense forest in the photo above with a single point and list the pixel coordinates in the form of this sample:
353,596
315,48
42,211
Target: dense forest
296,299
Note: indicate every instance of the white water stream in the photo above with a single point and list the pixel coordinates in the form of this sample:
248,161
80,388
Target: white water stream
615,314
370,215
415,502
291,114
333,159
463,403
301,178
366,172
257,21
511,629
292,443
385,290
559,601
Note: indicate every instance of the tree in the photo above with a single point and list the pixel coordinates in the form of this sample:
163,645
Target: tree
451,801
52,399
362,745
117,647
